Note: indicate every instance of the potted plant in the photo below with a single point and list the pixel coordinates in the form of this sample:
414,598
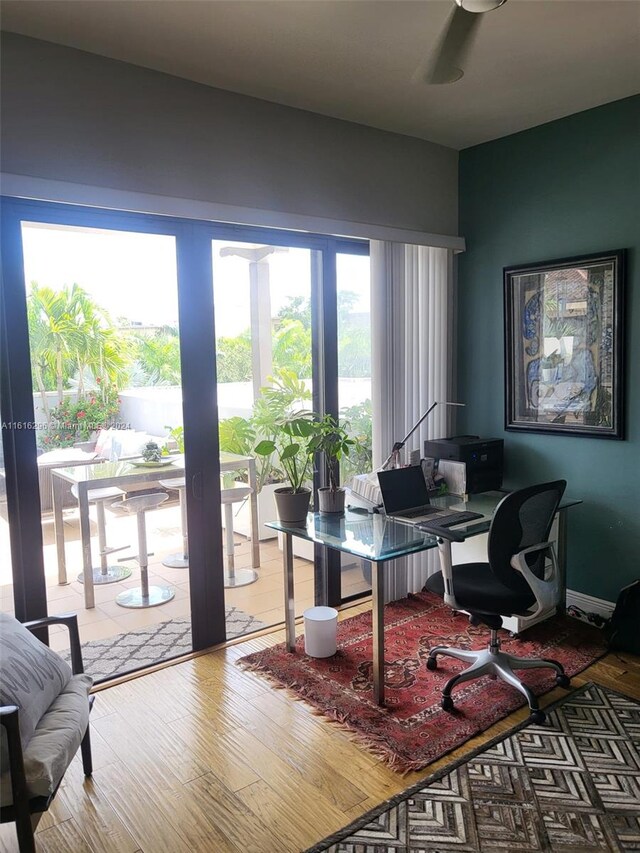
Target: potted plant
334,442
292,446
278,401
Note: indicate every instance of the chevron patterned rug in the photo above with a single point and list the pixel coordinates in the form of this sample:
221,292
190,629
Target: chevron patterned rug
146,646
569,786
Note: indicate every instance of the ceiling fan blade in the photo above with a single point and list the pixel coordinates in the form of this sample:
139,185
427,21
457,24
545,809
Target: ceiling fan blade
446,61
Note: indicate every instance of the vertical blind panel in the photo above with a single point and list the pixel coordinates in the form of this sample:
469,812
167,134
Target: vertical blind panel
411,302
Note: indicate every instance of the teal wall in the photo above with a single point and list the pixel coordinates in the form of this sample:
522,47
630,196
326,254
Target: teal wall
562,189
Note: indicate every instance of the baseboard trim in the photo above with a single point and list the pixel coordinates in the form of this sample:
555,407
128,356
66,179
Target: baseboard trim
590,604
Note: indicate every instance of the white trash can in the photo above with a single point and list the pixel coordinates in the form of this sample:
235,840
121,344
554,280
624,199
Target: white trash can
320,630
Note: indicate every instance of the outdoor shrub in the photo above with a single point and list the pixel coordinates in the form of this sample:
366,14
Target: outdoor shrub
74,421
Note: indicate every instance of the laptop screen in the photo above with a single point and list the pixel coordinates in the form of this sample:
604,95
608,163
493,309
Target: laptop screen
403,488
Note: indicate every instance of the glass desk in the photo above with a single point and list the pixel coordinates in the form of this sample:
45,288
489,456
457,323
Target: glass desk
121,474
377,539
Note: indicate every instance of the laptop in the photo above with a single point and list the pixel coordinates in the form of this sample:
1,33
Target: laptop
405,495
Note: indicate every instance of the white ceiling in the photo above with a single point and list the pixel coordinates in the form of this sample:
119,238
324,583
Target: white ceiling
533,60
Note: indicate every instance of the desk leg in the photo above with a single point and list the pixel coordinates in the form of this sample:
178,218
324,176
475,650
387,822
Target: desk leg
562,560
253,504
289,603
85,535
377,589
58,526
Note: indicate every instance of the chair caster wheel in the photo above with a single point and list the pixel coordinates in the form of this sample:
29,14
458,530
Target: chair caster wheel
432,663
447,703
563,681
538,717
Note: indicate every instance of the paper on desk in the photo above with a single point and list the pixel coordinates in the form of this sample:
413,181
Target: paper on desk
455,476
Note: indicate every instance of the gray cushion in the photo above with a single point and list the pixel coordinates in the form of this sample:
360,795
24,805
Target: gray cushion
31,675
54,742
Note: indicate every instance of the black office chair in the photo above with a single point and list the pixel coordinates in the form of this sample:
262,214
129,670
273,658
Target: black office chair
520,579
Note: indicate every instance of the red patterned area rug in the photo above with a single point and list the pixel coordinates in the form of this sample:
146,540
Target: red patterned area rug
412,730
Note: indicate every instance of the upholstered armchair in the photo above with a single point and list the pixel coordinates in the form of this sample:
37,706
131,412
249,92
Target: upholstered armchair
44,718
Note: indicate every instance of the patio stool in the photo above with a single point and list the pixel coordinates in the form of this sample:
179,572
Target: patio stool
243,577
144,595
179,561
104,573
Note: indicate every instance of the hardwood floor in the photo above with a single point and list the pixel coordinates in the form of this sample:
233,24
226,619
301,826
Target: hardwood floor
203,756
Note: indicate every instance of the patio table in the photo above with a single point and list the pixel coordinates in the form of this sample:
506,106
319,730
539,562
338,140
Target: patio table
121,474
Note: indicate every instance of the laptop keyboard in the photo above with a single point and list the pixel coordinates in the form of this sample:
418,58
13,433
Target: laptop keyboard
416,513
453,518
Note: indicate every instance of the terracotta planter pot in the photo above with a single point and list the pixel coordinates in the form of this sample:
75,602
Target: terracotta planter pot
292,506
331,501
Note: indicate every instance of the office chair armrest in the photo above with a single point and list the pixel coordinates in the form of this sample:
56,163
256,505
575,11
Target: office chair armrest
545,590
441,532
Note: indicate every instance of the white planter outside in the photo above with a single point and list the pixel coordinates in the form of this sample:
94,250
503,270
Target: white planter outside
266,512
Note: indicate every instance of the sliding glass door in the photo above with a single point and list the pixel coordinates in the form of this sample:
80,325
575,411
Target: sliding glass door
104,336
142,351
264,356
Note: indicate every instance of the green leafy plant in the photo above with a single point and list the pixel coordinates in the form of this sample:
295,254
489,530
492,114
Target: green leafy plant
151,452
236,435
233,358
176,434
358,422
293,447
333,441
156,358
71,338
279,401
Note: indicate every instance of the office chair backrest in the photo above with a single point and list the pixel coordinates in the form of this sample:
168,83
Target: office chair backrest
523,518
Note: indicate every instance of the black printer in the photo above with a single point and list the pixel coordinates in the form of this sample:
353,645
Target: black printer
482,456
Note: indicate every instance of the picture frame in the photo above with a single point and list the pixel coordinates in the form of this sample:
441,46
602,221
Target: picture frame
564,346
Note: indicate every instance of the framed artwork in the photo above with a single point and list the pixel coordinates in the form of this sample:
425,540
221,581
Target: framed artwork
564,346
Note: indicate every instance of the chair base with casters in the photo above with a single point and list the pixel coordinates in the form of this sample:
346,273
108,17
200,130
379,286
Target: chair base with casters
144,595
234,577
493,661
521,578
105,572
179,561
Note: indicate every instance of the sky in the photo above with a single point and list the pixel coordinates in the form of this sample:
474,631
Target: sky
133,275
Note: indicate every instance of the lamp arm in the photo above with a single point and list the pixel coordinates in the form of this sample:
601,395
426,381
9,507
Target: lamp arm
400,444
397,447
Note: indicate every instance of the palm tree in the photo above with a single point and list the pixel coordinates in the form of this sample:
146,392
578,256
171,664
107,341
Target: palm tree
100,352
158,357
70,335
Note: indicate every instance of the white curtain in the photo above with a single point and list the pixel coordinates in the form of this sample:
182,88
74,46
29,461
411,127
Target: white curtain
412,307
